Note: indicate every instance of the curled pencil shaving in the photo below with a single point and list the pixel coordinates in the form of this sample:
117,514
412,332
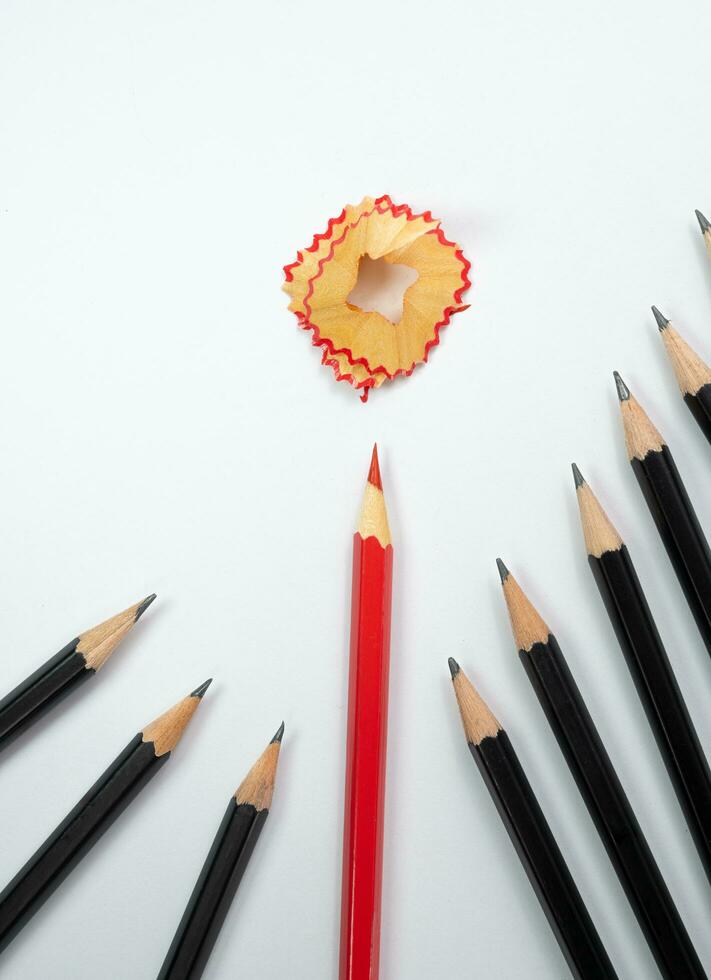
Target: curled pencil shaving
363,347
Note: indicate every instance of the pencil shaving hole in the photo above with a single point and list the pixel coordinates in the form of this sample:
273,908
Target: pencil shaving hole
381,287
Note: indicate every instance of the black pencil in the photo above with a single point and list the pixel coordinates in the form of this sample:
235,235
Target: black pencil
222,871
530,834
600,788
63,673
692,375
649,665
670,507
92,816
705,226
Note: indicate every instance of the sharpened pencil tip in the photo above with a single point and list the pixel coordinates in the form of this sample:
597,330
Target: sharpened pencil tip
623,392
578,476
704,222
453,667
662,321
200,691
143,606
503,570
279,735
374,471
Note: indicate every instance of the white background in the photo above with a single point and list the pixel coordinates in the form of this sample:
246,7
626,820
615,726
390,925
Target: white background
166,427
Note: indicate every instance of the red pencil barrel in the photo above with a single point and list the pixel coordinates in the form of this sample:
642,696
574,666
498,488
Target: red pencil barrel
365,760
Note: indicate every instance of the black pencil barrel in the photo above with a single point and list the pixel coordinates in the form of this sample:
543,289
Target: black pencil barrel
700,407
680,531
658,691
541,858
611,811
76,834
213,892
39,692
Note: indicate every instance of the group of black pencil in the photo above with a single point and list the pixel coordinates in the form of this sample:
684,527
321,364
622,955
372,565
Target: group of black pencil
138,762
563,705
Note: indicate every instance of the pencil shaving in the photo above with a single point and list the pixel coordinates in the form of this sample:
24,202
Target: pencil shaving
363,347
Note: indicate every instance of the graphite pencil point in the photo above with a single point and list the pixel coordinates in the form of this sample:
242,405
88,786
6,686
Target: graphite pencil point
144,605
453,667
623,392
279,734
503,570
704,222
200,691
662,321
578,477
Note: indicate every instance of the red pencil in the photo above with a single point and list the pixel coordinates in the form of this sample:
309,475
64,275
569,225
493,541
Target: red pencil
367,736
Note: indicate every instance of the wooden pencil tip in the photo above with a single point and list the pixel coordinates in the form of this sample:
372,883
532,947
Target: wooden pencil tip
641,437
704,222
200,691
373,520
97,644
167,730
279,735
526,623
623,392
503,570
477,718
257,787
374,471
598,530
578,477
454,667
662,321
691,372
142,606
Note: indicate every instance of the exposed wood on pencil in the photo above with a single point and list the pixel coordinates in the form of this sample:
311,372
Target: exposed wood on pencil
528,627
692,374
97,644
641,437
167,730
598,530
257,787
690,371
373,521
478,720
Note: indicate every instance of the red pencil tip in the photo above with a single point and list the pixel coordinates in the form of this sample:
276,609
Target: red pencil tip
374,471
